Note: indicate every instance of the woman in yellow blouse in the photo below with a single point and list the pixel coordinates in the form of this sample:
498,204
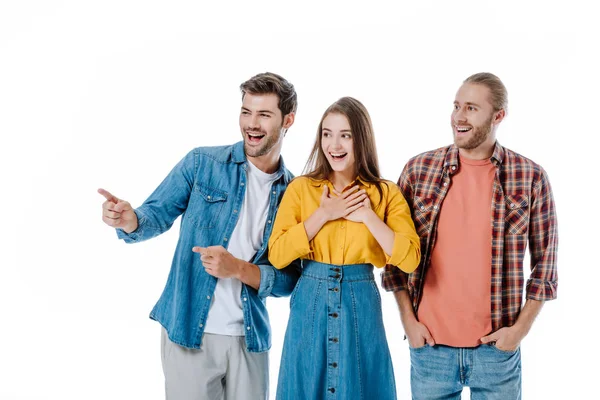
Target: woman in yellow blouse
340,219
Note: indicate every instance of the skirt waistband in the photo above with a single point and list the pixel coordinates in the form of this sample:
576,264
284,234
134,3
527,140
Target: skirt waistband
351,272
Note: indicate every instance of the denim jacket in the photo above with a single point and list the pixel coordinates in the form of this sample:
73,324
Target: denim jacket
208,186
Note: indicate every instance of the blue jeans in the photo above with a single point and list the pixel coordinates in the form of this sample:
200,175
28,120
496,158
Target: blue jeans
440,372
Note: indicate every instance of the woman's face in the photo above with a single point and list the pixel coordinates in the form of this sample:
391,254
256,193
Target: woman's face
337,142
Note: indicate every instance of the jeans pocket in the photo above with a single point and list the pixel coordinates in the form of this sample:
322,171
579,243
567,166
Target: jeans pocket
506,352
418,349
377,294
305,305
295,291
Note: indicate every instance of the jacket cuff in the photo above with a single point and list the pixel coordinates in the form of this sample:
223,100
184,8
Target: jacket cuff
267,280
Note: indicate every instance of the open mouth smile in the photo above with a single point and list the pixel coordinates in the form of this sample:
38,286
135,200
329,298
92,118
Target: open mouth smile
255,137
338,156
461,130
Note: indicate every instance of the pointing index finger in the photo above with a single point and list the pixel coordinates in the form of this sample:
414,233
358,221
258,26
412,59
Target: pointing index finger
201,250
108,196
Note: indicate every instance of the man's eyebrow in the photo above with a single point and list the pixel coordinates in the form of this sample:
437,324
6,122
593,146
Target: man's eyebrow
259,111
469,103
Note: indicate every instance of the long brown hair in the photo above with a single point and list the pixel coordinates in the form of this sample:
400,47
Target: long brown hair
366,165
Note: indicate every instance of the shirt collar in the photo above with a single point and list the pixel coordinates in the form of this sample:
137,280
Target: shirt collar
360,181
452,158
238,156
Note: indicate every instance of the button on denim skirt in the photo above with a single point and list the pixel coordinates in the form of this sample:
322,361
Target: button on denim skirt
335,345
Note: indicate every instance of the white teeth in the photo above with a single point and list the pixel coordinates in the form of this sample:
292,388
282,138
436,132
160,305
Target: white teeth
338,154
461,129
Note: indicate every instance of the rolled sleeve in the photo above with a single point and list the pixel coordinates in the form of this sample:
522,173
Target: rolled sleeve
543,243
406,253
277,283
538,289
393,279
267,280
139,234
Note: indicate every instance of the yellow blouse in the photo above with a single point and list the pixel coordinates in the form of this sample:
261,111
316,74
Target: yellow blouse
342,242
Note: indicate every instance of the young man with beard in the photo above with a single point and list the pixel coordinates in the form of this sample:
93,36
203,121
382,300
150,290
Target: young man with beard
476,205
216,329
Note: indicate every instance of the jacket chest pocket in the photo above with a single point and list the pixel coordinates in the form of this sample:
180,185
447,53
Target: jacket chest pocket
206,205
517,214
423,213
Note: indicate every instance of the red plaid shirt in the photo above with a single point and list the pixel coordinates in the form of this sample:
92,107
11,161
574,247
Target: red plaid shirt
522,212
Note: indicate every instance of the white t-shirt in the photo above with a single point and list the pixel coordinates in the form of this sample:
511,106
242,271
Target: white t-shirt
225,316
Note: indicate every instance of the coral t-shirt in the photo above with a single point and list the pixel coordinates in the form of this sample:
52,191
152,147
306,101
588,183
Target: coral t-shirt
456,302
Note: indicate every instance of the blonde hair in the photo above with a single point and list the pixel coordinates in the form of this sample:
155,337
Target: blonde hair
498,91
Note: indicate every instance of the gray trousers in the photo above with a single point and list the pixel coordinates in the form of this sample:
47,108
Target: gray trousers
222,369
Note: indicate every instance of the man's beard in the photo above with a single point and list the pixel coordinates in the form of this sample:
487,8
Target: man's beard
478,136
268,142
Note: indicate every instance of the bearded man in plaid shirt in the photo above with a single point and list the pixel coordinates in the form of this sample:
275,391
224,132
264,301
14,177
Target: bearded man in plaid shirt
476,205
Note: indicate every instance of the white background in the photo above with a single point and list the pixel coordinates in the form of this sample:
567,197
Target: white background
112,94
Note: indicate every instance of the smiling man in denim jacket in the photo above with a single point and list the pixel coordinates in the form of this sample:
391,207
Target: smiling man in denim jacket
216,329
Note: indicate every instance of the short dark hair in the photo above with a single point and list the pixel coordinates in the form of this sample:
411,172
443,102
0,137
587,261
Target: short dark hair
269,82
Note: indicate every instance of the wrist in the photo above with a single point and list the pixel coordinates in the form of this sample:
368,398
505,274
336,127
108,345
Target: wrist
520,329
322,215
407,315
408,319
131,227
239,269
370,218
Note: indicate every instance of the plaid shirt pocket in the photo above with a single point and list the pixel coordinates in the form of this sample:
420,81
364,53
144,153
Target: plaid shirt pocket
517,214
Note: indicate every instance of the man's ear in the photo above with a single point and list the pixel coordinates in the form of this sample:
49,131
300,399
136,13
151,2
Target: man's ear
499,116
288,120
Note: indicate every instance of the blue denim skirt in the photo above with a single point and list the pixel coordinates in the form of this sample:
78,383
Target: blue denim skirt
335,345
